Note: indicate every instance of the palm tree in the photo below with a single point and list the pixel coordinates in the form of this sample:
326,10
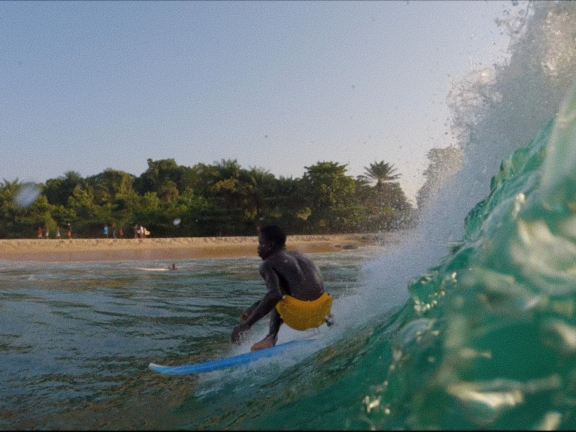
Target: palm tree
380,172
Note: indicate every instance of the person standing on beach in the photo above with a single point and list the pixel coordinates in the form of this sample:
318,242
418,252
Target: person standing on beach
295,294
69,230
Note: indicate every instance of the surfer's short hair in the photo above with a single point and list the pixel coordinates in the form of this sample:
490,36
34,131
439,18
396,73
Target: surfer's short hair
275,234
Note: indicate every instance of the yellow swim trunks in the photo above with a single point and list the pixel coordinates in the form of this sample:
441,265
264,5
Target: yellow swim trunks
303,315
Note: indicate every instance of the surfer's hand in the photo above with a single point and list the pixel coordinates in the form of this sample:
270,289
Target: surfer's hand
236,331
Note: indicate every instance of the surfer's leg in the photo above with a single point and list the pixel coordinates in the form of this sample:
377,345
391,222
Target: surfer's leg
270,340
275,323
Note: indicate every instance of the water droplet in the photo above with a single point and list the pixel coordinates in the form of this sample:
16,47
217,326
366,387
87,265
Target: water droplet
26,194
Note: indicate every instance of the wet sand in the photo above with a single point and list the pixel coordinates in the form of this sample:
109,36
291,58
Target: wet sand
108,249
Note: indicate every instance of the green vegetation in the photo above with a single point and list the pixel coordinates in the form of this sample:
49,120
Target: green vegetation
223,199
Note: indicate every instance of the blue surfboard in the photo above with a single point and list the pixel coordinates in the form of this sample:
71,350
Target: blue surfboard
228,362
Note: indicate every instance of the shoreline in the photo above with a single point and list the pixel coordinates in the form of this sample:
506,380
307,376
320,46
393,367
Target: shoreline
175,248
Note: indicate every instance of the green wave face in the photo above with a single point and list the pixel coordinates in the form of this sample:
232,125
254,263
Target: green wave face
487,339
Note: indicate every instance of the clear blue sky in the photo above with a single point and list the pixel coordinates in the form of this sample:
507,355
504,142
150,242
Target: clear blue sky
86,86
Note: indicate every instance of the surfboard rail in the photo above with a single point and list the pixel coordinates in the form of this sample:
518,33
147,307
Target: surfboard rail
227,362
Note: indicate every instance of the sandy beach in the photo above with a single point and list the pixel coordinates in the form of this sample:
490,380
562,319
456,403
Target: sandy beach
108,249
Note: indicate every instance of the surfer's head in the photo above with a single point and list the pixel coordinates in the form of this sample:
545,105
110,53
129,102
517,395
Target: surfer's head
270,239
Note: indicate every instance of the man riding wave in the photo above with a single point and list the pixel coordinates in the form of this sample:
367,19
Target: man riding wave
295,293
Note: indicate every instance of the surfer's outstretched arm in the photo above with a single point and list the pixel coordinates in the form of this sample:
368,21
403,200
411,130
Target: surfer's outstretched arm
249,312
262,309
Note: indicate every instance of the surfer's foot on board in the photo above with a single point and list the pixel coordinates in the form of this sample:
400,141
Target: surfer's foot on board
267,342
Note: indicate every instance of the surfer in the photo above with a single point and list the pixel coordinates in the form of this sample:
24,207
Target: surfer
295,294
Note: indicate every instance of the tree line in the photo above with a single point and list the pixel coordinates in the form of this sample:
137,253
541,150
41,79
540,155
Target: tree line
221,199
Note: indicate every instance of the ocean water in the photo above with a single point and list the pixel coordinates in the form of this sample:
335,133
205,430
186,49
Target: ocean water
76,339
467,323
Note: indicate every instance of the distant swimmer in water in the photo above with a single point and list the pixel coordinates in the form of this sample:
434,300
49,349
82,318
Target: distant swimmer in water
295,294
173,267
